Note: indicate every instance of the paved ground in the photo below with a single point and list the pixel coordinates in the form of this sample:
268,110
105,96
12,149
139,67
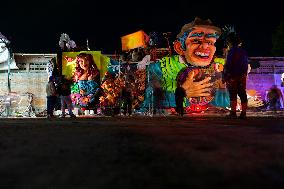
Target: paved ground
197,151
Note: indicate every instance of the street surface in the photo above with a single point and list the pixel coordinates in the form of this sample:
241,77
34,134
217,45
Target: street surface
196,151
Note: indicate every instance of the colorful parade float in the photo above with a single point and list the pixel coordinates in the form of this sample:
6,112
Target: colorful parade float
151,66
151,73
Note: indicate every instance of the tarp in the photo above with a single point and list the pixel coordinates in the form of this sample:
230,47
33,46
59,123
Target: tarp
4,65
4,56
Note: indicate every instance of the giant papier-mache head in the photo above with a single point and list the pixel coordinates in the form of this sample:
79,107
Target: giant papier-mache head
196,42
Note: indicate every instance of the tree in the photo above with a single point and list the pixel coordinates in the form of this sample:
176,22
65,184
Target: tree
278,40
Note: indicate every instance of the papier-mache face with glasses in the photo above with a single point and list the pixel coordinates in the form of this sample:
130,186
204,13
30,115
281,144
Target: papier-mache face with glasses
196,42
195,45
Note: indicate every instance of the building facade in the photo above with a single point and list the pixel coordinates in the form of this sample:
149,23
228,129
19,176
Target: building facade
28,77
267,74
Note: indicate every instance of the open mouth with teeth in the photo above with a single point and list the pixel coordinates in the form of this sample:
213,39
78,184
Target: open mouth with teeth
202,55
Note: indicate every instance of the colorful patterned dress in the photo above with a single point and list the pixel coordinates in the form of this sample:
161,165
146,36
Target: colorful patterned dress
85,93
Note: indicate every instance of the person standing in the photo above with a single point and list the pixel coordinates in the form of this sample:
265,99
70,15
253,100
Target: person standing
64,91
275,97
126,95
179,98
51,96
235,75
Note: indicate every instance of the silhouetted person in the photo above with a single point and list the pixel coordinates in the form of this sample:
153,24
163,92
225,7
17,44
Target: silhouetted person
64,90
235,75
51,97
179,97
274,97
158,98
126,96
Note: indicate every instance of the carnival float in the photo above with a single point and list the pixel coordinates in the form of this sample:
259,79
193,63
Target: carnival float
152,72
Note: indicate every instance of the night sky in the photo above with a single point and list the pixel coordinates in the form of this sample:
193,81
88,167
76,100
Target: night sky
35,26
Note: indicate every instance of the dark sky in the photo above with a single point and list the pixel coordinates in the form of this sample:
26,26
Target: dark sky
36,26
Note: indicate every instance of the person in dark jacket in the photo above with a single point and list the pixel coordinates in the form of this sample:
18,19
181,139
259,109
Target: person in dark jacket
126,95
51,96
274,97
64,91
235,75
179,97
